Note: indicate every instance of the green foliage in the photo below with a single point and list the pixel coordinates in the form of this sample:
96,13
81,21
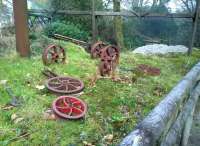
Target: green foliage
67,29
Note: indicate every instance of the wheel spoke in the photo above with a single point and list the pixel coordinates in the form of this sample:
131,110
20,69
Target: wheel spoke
55,49
59,87
66,87
70,113
72,87
75,102
77,109
54,84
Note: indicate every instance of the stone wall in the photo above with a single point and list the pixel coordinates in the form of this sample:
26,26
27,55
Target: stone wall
169,123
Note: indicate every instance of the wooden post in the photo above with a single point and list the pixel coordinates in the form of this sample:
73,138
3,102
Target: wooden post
194,28
118,25
93,22
21,27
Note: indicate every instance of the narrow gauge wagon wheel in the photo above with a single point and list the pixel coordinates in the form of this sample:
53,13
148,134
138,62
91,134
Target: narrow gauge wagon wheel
109,60
65,85
53,54
96,49
110,51
69,107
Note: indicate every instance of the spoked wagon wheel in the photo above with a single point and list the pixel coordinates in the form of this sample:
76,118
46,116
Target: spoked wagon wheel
96,49
53,54
110,52
65,85
69,107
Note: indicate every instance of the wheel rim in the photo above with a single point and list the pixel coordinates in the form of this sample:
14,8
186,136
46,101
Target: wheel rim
69,107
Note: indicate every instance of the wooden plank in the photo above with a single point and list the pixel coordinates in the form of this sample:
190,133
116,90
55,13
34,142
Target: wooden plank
66,38
130,14
103,13
66,12
174,136
21,27
195,23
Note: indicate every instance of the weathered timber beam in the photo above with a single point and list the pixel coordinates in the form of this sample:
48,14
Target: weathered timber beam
161,118
103,13
66,38
174,136
67,12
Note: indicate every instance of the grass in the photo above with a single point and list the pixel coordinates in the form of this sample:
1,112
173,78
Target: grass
113,107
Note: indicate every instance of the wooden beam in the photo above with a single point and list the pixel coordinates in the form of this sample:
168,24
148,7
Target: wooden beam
93,22
66,12
21,27
125,13
194,29
66,38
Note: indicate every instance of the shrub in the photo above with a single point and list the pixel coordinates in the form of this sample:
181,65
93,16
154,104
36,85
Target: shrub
67,29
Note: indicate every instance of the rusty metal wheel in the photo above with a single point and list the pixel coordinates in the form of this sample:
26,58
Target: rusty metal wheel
109,60
96,49
148,70
105,67
65,85
110,51
53,54
69,107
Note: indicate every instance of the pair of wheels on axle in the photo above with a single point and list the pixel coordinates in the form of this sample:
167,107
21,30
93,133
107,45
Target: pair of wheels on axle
109,57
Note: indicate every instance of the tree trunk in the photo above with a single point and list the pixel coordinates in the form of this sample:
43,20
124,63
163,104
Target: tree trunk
118,25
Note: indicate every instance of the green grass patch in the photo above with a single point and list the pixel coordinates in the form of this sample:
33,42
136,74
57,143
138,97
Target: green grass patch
113,107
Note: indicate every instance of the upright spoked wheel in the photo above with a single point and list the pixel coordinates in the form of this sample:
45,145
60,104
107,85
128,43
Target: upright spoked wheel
54,54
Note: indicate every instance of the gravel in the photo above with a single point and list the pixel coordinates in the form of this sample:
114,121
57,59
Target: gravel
163,49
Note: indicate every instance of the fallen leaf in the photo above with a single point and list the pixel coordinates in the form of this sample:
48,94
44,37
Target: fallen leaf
40,87
49,115
87,144
13,117
18,120
3,82
108,138
7,107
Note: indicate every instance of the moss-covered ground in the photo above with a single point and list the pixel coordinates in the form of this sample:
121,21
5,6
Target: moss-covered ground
114,108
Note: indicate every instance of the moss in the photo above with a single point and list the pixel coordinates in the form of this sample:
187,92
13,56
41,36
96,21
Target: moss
114,107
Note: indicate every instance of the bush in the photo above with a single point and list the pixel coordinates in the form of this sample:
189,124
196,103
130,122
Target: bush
7,45
67,29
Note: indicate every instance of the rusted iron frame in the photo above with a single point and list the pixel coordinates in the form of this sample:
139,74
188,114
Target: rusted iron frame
21,27
194,27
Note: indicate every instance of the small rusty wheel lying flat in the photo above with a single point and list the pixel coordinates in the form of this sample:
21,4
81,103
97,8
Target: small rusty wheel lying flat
69,107
53,54
65,85
96,48
149,70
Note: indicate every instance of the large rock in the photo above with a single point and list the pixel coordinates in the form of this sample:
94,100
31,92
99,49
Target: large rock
160,49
